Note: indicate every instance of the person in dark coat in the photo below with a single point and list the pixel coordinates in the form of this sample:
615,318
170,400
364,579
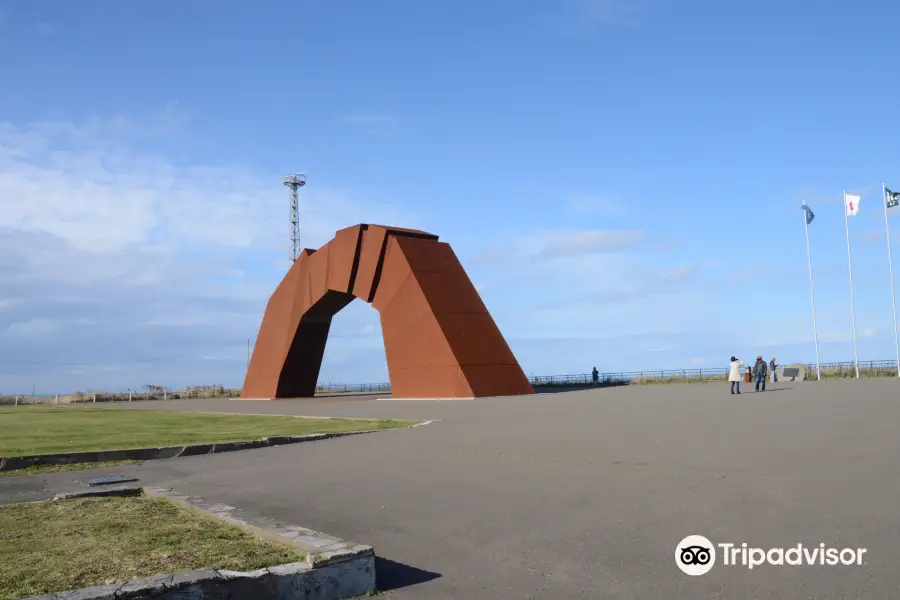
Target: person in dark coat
772,366
595,376
759,372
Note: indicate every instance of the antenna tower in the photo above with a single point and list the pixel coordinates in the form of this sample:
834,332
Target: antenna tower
295,181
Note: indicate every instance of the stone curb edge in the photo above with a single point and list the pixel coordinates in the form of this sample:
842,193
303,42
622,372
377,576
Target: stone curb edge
334,569
283,582
321,548
15,463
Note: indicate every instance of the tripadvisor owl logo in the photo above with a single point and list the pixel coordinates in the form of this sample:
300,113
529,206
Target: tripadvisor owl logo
696,555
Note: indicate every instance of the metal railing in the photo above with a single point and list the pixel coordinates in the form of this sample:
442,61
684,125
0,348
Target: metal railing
867,368
357,388
628,377
832,370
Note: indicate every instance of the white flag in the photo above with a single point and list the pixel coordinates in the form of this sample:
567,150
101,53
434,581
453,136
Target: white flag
851,204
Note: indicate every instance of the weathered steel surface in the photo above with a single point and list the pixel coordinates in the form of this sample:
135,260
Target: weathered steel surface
439,338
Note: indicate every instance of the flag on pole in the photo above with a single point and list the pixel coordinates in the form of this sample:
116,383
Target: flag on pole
809,216
851,207
891,198
809,213
852,204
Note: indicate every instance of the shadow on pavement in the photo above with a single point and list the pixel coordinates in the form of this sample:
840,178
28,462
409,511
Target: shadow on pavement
392,575
576,387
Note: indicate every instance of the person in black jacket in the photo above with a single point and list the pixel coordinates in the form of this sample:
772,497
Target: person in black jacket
759,372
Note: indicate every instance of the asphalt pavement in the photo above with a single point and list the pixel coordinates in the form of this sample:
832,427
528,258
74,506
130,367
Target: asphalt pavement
578,495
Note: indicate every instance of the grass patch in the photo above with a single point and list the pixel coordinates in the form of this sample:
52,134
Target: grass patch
50,547
26,430
41,469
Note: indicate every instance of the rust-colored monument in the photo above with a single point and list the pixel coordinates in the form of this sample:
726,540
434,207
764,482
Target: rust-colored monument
439,338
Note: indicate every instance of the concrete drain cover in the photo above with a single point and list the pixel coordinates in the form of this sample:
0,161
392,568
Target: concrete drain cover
110,480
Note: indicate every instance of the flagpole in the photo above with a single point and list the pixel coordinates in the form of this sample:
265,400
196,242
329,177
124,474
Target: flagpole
812,294
852,303
887,229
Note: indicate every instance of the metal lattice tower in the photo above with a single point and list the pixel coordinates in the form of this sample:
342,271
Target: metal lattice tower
295,181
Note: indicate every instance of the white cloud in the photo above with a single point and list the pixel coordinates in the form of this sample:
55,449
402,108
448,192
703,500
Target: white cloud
576,243
747,274
673,274
639,281
590,282
595,204
561,244
8,302
83,184
39,327
115,255
846,336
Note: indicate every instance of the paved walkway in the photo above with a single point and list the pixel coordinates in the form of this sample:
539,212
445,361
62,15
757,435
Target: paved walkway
579,495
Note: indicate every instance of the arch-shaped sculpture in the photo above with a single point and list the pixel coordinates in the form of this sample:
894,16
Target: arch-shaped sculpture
439,338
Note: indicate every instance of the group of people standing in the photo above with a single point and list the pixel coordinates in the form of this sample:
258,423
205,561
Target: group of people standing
760,370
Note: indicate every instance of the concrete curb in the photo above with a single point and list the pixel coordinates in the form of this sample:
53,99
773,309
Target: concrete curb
334,569
321,548
15,463
293,581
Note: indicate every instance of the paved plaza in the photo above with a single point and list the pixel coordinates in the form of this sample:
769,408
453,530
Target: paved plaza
580,494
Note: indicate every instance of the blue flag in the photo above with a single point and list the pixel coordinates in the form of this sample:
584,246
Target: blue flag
809,213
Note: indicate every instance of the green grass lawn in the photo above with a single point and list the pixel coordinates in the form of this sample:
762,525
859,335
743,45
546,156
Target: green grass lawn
27,430
50,547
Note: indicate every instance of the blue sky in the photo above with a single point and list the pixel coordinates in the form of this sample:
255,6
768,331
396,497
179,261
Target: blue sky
621,179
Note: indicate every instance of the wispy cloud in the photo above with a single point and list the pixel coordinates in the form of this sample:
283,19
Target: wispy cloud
377,125
579,243
747,274
815,197
560,244
847,336
644,283
595,204
131,257
46,29
673,274
494,256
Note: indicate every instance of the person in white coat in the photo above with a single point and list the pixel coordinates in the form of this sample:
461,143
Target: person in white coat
734,375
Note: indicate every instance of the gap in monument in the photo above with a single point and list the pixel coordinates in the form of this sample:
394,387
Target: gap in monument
354,353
